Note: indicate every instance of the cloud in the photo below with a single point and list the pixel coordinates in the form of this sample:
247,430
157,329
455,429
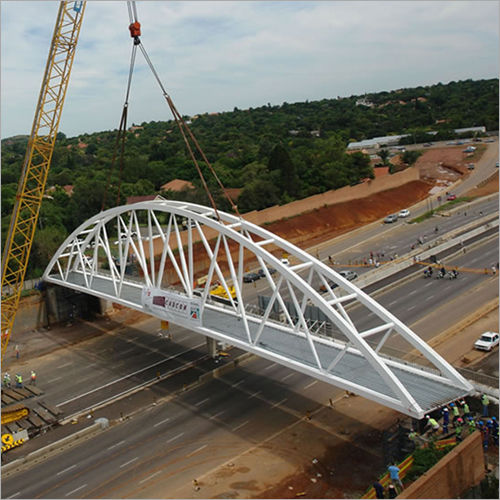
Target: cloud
213,56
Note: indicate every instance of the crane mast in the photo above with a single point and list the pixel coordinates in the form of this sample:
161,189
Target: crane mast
37,160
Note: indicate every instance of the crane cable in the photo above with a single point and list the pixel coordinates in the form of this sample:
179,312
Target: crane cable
122,130
183,127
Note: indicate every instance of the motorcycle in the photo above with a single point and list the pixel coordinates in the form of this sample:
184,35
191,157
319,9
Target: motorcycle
440,275
452,275
427,274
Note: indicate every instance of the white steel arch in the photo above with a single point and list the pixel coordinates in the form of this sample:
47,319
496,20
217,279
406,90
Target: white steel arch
346,347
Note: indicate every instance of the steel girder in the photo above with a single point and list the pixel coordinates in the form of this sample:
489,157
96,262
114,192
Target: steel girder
96,259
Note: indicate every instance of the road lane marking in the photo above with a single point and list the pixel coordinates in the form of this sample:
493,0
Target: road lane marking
269,366
414,291
410,308
392,303
66,470
254,394
199,403
429,284
173,356
129,462
430,297
149,477
217,414
15,495
161,422
53,380
287,376
75,490
238,383
66,364
115,445
311,384
279,402
196,451
175,437
241,425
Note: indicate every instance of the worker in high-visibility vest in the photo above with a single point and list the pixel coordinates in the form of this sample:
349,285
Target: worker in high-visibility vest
485,402
19,380
6,379
33,377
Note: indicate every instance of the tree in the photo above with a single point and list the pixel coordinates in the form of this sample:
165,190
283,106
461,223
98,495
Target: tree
280,161
384,156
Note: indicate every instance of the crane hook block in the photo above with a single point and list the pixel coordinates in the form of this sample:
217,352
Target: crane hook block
135,29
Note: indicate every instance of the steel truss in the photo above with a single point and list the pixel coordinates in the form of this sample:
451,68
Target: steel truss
97,257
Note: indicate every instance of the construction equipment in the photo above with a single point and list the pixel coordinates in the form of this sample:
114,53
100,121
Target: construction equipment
14,412
37,161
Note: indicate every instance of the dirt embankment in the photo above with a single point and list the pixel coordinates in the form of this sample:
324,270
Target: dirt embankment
330,221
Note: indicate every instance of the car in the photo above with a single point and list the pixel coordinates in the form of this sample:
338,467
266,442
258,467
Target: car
497,164
451,197
391,218
471,166
349,275
487,341
404,213
261,272
331,284
469,149
427,144
250,277
285,261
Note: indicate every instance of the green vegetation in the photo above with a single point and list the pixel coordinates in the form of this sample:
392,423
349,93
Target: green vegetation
442,208
425,459
274,154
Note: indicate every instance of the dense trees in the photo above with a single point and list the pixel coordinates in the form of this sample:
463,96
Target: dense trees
274,154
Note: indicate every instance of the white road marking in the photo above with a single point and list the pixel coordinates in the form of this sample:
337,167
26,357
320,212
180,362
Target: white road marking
279,402
129,462
161,422
75,490
15,495
217,414
430,297
53,380
392,303
199,403
115,445
269,366
287,376
429,284
175,437
311,384
128,350
410,308
241,425
414,291
131,374
149,477
196,451
254,394
66,470
66,364
238,383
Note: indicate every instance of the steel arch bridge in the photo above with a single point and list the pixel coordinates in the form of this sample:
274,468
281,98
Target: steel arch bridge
348,348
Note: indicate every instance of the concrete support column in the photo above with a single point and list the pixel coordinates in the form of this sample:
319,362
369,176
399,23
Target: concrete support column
212,347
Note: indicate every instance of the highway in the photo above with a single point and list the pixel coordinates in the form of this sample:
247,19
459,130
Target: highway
185,434
205,426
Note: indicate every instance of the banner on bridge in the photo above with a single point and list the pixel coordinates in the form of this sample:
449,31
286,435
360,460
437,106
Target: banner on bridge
172,306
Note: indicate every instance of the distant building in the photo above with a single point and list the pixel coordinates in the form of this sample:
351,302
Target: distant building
138,199
177,185
470,129
376,142
364,102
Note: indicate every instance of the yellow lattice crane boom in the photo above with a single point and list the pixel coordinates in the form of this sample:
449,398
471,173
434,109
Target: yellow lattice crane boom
37,160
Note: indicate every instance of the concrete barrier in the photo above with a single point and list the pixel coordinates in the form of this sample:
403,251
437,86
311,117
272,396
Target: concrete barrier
41,454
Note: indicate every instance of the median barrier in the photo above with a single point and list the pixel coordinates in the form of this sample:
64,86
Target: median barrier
38,455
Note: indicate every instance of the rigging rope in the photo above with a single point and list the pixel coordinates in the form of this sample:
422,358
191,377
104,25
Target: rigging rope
135,32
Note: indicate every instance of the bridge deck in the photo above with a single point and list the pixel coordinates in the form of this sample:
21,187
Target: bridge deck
284,346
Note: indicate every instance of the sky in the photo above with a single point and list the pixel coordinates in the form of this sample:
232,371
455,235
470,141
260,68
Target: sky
215,56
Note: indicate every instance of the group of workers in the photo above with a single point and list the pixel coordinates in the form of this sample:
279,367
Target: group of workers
19,379
462,418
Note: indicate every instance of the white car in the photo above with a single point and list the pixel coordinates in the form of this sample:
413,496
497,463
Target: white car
285,261
403,213
487,341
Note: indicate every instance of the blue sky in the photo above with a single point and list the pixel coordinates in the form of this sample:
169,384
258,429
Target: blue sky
213,56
